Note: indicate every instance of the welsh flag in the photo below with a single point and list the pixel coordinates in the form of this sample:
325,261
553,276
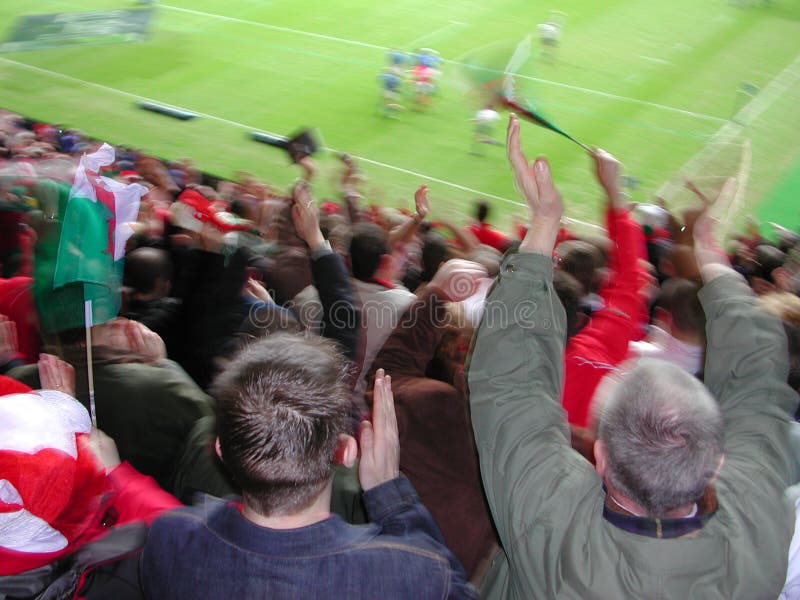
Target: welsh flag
95,227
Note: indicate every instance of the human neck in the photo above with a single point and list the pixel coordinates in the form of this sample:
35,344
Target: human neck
316,512
625,503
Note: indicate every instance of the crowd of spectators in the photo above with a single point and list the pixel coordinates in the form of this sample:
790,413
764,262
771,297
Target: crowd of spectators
321,397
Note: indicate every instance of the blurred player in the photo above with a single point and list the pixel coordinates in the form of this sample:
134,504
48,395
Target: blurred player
424,79
550,35
391,83
484,128
396,58
428,58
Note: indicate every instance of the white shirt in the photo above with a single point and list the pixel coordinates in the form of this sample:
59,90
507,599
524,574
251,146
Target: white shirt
663,346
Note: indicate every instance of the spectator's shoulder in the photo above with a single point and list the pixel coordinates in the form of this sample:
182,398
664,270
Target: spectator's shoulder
189,518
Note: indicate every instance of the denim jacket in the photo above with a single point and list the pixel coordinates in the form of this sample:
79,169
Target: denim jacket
212,551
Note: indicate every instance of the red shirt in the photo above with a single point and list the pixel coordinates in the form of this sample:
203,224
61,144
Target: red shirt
491,237
603,344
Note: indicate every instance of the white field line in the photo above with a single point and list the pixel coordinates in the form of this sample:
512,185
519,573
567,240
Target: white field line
252,128
436,32
274,27
746,115
454,62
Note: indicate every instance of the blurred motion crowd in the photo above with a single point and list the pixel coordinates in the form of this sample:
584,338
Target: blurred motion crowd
508,355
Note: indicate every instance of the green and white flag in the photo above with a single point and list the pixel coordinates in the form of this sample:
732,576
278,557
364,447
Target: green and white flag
95,228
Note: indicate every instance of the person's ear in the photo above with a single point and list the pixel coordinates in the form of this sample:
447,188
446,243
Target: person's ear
217,449
346,451
600,464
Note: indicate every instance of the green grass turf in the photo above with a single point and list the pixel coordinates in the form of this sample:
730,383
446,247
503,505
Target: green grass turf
651,82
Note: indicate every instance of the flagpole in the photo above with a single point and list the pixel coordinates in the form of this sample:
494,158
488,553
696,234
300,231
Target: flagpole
542,121
87,319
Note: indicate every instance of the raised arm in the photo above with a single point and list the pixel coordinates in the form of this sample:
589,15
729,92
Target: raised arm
402,234
603,343
390,499
746,368
340,316
515,372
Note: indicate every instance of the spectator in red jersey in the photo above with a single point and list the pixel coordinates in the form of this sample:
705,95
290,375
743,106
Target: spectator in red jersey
484,232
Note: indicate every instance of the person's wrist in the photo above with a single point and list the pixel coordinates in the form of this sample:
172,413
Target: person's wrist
541,237
316,241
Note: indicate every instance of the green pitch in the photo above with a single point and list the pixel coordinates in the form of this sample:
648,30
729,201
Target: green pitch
653,82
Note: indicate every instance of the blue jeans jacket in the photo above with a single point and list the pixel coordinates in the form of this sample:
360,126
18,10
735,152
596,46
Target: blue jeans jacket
212,551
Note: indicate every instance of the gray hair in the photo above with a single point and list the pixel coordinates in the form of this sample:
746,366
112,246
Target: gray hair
663,435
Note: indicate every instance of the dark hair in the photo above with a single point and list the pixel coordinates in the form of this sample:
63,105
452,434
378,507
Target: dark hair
568,290
369,243
434,253
679,298
144,267
481,210
581,260
281,405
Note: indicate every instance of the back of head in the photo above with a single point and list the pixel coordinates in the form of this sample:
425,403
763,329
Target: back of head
581,260
481,210
663,437
281,405
144,267
434,253
368,244
679,298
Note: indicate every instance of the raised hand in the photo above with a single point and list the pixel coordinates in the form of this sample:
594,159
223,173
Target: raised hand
421,201
55,374
306,217
379,441
9,346
145,341
256,290
607,169
711,259
535,183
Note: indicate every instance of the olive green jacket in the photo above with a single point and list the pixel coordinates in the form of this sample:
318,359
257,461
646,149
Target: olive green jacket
547,501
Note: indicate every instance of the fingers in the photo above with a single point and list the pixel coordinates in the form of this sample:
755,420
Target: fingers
379,403
135,337
366,441
384,420
544,179
549,200
46,379
421,200
55,374
515,155
8,336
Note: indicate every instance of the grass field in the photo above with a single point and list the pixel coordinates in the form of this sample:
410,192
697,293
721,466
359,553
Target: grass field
653,82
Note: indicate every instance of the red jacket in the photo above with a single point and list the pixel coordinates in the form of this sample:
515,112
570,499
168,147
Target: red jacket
484,233
603,344
16,302
123,496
